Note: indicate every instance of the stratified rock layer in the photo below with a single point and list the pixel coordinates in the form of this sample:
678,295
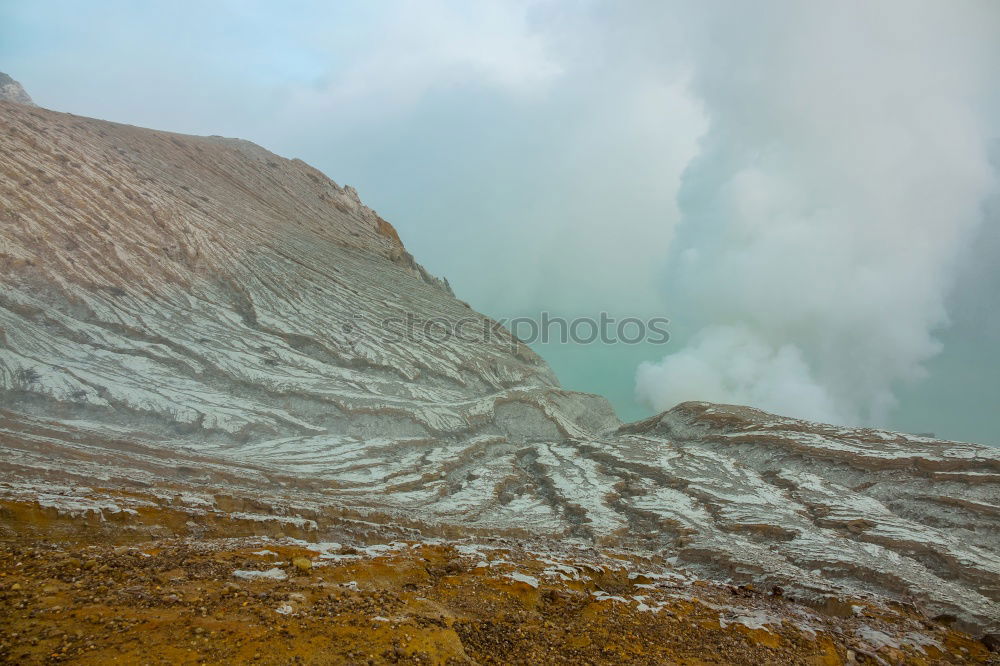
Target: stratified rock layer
196,324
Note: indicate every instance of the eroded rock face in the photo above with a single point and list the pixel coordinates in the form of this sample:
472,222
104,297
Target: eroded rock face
11,91
219,330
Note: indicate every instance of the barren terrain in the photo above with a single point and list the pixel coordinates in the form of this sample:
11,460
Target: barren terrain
200,358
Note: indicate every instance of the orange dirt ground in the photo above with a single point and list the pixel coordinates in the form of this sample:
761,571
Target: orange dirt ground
178,601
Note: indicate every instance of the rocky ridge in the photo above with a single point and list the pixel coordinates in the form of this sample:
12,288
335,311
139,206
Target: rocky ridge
200,337
12,91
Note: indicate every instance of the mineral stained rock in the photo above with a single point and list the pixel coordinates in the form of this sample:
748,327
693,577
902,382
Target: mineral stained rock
199,336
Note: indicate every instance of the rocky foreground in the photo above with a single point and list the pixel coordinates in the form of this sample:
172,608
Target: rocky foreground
280,601
200,339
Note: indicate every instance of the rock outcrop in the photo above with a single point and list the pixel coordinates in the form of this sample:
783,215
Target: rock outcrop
11,91
199,325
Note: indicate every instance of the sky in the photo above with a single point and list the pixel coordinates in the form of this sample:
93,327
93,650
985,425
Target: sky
808,191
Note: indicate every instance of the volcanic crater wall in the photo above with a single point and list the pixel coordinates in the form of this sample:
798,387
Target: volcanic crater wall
198,318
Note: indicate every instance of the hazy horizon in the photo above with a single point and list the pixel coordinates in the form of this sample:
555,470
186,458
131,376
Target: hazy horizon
809,194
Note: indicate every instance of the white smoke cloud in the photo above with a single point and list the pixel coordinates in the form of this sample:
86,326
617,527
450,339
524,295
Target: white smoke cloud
435,45
841,178
732,364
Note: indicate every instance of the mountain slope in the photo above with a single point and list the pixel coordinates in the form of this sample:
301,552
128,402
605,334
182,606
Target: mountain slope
195,327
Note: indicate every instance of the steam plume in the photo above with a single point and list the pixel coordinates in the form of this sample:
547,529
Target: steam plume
841,177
